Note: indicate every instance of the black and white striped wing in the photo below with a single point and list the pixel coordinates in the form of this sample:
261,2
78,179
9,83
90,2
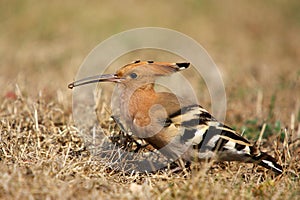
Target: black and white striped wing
212,139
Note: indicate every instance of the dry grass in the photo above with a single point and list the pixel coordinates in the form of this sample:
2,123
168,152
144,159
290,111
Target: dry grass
42,156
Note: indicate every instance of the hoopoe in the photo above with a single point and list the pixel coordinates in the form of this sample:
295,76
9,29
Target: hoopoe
173,125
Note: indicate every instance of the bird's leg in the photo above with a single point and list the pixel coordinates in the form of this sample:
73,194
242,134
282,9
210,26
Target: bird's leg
131,138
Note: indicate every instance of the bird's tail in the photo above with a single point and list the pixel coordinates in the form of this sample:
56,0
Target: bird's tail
232,147
265,160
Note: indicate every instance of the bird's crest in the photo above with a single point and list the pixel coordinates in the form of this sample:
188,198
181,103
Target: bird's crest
153,68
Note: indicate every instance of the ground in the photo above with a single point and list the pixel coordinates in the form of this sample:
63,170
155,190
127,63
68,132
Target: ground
256,46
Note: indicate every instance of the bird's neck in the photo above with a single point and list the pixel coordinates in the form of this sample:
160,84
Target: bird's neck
136,101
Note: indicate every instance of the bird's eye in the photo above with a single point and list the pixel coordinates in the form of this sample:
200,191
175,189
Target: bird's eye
133,75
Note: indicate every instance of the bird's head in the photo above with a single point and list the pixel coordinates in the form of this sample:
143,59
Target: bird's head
136,73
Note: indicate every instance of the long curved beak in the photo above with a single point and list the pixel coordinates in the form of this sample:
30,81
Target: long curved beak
95,79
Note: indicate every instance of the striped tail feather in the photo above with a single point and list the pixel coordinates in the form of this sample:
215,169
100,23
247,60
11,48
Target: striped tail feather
267,161
231,146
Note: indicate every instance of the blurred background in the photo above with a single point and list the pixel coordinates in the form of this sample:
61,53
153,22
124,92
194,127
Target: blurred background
255,44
